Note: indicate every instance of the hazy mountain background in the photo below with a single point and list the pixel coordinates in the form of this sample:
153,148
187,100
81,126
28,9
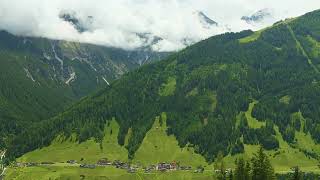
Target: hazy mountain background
118,23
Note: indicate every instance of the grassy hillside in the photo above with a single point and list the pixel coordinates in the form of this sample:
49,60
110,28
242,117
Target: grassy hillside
157,146
284,157
62,150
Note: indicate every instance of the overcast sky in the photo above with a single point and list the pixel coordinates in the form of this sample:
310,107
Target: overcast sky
117,22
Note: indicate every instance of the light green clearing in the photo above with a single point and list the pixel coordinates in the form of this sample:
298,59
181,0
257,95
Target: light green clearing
285,99
305,141
253,122
193,92
157,146
253,37
62,150
213,97
315,51
167,89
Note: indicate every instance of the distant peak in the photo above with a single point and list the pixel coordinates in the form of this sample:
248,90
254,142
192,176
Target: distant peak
80,24
259,16
205,20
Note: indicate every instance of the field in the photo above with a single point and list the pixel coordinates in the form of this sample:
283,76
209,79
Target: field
62,150
156,147
44,173
251,38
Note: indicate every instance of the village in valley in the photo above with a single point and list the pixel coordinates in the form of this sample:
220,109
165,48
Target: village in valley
129,167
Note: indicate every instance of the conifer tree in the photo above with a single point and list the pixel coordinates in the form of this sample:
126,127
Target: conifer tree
297,175
219,165
261,167
239,173
247,171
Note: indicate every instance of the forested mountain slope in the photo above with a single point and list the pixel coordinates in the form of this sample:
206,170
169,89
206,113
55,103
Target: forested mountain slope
40,77
205,91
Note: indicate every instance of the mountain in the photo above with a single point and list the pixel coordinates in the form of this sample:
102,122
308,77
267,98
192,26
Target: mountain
205,20
259,16
81,25
40,77
224,94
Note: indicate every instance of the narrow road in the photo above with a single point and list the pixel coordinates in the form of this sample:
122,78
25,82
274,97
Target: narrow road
2,155
2,168
3,171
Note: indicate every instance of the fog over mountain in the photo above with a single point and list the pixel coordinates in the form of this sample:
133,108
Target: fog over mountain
169,24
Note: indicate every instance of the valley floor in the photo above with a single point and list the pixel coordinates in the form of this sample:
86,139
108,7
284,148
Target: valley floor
69,172
156,147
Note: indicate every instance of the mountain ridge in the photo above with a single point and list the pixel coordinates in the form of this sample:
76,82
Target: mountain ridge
41,77
203,89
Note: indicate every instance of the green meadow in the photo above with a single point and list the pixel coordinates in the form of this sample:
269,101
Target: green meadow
106,173
62,149
156,147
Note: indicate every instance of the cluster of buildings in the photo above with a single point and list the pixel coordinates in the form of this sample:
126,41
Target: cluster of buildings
90,166
106,162
161,167
227,171
32,164
166,166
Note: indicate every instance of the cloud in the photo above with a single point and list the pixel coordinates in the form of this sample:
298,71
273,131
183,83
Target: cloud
119,23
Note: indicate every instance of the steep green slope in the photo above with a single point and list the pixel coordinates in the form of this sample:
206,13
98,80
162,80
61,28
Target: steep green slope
40,77
156,147
90,151
284,157
203,90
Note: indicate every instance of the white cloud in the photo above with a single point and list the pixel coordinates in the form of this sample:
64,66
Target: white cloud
117,22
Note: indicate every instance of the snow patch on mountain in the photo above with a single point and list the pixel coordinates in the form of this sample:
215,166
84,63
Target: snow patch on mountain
71,78
106,81
81,24
56,56
28,74
205,20
262,16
